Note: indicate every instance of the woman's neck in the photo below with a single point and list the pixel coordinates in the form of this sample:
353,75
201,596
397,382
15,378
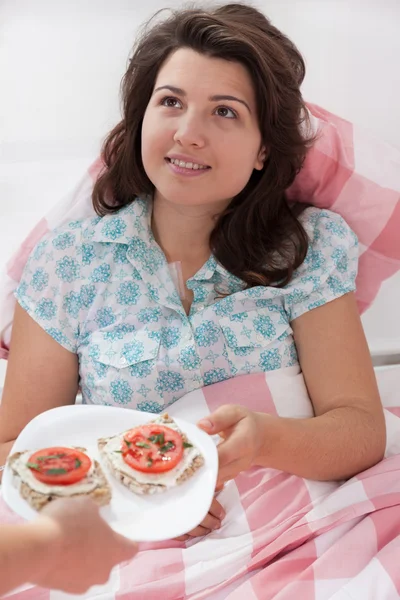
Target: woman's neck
183,232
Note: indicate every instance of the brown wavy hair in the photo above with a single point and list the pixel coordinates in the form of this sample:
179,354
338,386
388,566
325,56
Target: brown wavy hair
258,237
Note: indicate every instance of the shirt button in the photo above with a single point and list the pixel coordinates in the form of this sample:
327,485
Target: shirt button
123,361
187,336
201,307
259,337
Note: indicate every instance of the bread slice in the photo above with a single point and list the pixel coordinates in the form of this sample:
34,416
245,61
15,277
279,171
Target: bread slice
154,484
101,493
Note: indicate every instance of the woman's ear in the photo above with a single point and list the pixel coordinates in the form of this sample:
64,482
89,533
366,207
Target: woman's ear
261,158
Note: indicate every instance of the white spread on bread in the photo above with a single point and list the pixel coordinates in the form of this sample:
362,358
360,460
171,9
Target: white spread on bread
167,479
85,485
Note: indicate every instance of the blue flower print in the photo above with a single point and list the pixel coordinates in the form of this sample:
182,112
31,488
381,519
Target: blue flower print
336,285
153,292
88,254
297,295
94,351
75,224
170,337
337,229
105,317
151,407
265,326
72,304
100,368
189,359
46,310
64,241
68,269
214,376
40,279
270,360
133,351
90,381
315,259
40,249
119,254
243,350
22,289
340,258
128,293
293,358
88,294
119,332
58,335
230,337
239,317
139,250
256,292
142,369
114,229
315,304
169,381
121,391
101,274
313,279
224,307
199,293
149,315
207,334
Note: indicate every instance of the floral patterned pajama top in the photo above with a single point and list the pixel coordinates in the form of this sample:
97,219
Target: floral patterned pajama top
101,287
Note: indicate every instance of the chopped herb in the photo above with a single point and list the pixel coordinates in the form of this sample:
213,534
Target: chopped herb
51,456
56,471
32,466
168,446
127,442
187,445
150,462
157,438
118,451
142,445
77,463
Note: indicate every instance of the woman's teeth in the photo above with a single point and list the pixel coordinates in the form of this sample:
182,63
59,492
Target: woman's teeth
187,165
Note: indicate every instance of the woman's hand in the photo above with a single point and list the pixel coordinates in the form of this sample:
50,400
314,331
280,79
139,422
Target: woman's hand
211,522
244,434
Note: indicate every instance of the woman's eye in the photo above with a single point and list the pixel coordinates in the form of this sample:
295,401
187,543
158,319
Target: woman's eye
170,102
228,113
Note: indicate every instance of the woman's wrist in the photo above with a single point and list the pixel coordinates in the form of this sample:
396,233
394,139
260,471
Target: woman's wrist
269,437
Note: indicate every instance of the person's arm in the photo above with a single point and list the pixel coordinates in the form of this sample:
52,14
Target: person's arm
68,547
347,434
41,374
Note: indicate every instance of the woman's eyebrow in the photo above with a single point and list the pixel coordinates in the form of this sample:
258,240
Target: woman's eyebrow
215,98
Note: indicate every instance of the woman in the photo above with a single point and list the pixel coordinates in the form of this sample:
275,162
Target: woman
213,132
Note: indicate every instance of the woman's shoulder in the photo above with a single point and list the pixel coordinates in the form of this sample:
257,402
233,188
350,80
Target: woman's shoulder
323,225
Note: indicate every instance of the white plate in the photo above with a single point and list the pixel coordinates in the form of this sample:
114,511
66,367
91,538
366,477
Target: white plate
142,518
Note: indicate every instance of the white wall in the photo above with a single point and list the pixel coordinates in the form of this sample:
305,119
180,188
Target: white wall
61,62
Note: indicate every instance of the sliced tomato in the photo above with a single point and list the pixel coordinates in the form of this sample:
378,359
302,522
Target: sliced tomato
152,448
59,465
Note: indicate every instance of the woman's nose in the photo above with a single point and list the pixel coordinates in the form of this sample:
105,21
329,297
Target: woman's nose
190,131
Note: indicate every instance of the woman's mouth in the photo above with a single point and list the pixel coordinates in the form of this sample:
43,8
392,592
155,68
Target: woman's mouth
186,168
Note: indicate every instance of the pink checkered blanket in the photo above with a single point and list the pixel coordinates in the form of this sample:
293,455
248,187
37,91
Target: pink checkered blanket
284,537
346,171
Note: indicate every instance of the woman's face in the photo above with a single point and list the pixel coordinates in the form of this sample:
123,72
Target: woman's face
202,115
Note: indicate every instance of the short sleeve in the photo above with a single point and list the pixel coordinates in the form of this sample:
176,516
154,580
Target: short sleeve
330,267
49,289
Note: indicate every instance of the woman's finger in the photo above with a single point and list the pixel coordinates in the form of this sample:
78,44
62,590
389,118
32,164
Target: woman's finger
217,510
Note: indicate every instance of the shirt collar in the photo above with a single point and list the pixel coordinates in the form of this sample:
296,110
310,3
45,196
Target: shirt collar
128,223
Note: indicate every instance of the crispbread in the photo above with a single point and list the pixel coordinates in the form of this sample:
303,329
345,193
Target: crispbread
131,482
101,494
